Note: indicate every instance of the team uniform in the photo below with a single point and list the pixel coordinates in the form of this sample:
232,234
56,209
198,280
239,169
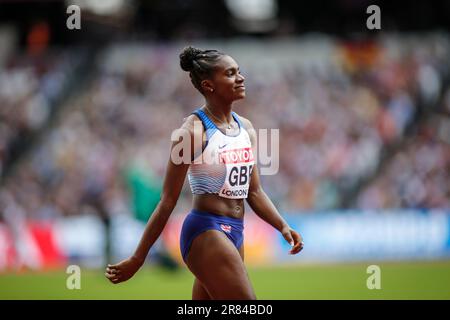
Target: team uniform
224,168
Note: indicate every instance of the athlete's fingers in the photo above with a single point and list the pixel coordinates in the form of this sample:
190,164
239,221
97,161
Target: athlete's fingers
113,278
110,272
288,237
110,276
298,240
297,248
113,271
297,237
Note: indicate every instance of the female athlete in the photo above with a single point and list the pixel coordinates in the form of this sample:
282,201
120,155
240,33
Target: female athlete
222,173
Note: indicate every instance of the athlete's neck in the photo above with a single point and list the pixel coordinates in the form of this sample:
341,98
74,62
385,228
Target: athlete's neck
221,112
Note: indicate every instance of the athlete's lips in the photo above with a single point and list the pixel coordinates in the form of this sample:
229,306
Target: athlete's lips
240,87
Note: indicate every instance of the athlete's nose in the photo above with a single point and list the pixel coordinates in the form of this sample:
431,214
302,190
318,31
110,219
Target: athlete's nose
240,79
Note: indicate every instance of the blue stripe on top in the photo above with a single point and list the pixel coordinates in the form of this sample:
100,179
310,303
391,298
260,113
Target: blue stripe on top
237,119
210,127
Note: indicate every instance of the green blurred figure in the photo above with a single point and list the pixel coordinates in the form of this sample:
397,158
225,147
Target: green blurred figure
145,190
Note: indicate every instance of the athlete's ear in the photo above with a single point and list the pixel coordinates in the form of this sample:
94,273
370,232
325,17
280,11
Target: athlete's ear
207,85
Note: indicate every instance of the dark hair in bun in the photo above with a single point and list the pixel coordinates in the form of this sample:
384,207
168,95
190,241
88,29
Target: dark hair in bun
199,63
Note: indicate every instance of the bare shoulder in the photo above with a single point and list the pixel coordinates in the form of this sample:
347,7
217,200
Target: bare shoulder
249,128
188,122
193,127
247,123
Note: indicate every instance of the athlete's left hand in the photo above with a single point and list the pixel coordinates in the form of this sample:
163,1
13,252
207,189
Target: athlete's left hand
293,238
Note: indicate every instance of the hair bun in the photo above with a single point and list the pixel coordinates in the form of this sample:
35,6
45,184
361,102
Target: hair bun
187,57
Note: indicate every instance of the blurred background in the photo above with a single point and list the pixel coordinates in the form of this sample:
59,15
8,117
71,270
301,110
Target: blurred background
364,117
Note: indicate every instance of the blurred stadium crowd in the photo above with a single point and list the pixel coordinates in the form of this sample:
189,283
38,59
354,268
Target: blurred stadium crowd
417,176
354,121
29,88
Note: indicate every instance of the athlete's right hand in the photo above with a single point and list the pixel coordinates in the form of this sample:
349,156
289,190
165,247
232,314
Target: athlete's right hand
123,270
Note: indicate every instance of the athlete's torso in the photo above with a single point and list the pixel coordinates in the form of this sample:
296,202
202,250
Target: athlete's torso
220,176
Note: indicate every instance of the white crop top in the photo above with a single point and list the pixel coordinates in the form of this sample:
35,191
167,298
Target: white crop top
225,165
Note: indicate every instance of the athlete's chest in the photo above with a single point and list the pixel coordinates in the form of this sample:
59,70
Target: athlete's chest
227,149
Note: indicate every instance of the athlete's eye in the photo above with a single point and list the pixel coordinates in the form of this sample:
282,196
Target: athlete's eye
232,72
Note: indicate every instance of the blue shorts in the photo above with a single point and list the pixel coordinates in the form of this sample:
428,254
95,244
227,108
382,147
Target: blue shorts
197,222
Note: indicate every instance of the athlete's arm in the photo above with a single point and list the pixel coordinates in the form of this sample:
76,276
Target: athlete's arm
263,206
172,185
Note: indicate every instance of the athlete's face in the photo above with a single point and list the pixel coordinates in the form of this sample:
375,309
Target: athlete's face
227,81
